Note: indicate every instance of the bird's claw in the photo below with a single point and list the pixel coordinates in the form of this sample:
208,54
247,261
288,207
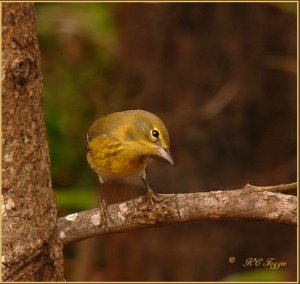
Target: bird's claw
152,199
104,216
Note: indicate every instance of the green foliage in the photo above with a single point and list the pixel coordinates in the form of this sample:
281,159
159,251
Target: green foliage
82,198
257,275
286,7
77,49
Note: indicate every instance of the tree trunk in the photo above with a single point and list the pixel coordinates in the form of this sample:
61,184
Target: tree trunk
31,250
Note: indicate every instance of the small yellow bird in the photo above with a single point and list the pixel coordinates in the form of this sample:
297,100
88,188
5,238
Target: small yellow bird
121,143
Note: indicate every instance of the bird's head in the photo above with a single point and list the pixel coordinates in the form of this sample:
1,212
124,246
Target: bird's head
150,133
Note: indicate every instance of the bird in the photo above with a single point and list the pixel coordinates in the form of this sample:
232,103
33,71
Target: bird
121,144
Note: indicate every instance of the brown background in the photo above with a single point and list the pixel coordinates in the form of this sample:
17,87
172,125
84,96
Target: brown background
223,78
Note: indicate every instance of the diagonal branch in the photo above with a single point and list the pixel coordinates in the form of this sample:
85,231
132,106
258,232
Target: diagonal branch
248,203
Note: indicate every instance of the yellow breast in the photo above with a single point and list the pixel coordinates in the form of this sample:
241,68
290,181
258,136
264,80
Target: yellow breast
111,158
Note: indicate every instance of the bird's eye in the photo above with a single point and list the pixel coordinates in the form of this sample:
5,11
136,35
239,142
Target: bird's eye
155,133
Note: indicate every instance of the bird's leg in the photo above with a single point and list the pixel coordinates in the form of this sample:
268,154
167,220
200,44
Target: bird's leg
152,196
102,207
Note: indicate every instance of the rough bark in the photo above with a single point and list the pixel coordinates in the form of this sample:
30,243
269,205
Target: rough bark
31,250
249,203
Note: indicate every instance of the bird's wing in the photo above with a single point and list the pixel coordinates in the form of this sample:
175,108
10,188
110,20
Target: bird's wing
103,146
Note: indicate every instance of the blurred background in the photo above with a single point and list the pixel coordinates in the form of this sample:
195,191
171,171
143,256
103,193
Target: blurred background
222,76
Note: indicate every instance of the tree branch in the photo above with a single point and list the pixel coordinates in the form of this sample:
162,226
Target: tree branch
248,203
275,188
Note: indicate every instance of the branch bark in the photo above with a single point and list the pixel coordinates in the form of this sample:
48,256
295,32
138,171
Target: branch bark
248,203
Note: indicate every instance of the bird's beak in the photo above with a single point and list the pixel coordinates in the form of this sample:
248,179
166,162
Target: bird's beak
165,154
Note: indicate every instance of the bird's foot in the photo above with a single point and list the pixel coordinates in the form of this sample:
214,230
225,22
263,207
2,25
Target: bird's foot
103,214
152,199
